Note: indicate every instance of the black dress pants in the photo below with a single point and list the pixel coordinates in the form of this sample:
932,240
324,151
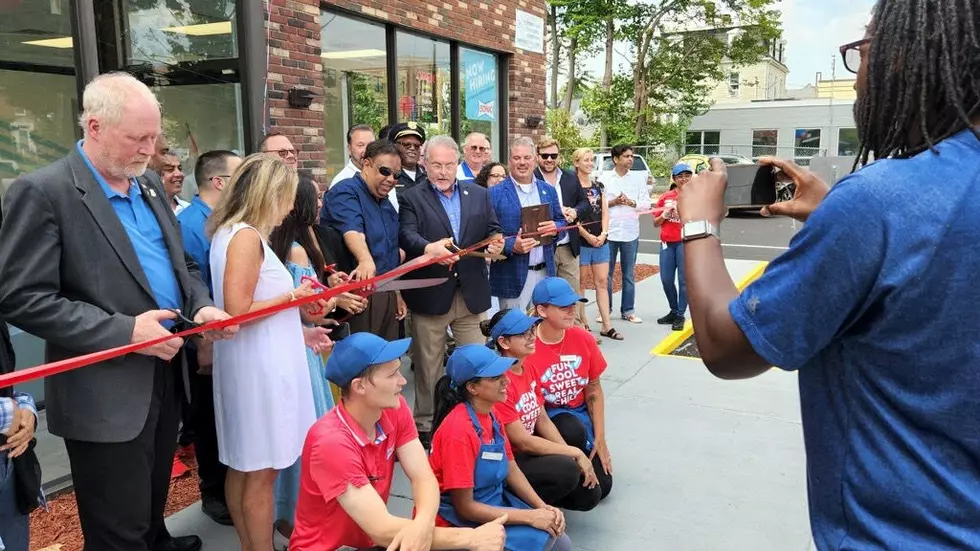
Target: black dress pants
210,471
121,488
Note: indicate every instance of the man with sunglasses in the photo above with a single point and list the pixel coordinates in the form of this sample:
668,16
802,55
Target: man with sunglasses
476,154
573,201
213,173
359,209
408,138
278,143
875,302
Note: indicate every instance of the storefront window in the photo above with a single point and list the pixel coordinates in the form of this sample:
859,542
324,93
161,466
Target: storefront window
355,85
424,83
160,31
848,142
478,103
200,118
38,105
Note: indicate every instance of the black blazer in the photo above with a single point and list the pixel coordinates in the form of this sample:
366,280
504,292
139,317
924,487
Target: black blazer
572,195
405,182
424,220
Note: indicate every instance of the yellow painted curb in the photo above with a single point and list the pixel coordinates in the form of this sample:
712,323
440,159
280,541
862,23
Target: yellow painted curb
675,338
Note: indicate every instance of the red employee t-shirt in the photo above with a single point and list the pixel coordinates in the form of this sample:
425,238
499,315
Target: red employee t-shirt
523,402
566,368
455,447
670,230
336,453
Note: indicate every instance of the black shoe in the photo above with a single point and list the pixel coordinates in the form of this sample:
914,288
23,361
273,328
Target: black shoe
180,543
677,324
216,509
668,319
426,439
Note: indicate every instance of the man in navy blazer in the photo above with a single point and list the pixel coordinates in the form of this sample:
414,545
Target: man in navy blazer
528,262
440,212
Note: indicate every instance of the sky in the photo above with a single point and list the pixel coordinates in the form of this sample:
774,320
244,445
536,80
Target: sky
813,30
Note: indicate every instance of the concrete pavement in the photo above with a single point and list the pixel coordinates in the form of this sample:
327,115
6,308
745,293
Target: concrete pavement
699,463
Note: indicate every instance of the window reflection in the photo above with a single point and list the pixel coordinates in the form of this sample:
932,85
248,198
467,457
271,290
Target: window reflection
424,83
200,118
36,32
169,31
354,81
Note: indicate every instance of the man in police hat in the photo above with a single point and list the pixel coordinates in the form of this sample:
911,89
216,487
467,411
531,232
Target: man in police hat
408,138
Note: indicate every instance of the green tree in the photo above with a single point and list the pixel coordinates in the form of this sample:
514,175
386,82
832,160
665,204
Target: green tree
562,128
675,68
368,100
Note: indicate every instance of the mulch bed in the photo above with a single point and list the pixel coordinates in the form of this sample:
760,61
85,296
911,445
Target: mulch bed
641,272
57,529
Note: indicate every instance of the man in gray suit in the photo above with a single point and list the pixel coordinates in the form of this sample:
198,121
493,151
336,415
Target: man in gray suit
91,258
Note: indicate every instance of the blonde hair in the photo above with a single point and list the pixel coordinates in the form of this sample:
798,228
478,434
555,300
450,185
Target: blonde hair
580,154
260,189
547,141
106,96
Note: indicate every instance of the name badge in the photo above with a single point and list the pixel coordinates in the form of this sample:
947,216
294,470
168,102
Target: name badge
492,456
568,358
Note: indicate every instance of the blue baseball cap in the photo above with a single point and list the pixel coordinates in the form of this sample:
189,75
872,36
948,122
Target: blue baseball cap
682,167
555,291
514,322
353,355
471,361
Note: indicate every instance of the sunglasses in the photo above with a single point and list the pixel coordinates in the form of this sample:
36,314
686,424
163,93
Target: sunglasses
284,153
479,148
386,172
851,54
551,156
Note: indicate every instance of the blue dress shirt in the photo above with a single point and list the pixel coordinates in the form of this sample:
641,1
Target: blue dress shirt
146,236
351,207
193,220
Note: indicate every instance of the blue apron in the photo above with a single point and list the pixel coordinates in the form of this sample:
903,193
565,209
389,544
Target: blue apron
488,488
582,414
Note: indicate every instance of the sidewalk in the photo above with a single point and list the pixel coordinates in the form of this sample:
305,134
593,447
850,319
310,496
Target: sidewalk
700,463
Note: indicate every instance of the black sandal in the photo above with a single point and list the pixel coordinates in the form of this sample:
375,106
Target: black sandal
612,334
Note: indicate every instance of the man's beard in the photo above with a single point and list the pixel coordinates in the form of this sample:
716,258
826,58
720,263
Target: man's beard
132,169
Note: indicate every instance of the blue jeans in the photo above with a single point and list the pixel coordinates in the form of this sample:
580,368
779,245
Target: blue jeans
672,260
627,252
14,527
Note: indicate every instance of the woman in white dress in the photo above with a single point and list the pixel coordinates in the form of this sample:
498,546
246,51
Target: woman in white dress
262,400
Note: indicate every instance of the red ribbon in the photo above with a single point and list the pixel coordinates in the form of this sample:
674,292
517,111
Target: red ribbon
53,368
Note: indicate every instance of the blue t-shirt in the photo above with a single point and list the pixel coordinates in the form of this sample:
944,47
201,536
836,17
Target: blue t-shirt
877,304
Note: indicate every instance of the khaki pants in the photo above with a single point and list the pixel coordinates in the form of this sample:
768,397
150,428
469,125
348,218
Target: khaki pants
566,264
429,349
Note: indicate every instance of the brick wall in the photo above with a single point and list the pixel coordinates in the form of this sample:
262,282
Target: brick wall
294,62
294,59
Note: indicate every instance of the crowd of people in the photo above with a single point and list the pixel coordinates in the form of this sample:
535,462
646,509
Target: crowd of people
509,429
508,398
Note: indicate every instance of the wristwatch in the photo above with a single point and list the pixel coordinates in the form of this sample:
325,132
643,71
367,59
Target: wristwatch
696,229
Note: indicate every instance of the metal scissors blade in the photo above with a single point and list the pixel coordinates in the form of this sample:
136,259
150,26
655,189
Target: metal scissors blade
402,284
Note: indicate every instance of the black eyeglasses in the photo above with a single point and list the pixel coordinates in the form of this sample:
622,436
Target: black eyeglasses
548,155
851,54
385,171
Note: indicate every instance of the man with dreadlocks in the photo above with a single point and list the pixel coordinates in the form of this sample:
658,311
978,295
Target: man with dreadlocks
876,303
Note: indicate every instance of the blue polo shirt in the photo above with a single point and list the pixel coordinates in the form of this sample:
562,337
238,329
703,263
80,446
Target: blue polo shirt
146,236
349,206
451,206
877,305
193,220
